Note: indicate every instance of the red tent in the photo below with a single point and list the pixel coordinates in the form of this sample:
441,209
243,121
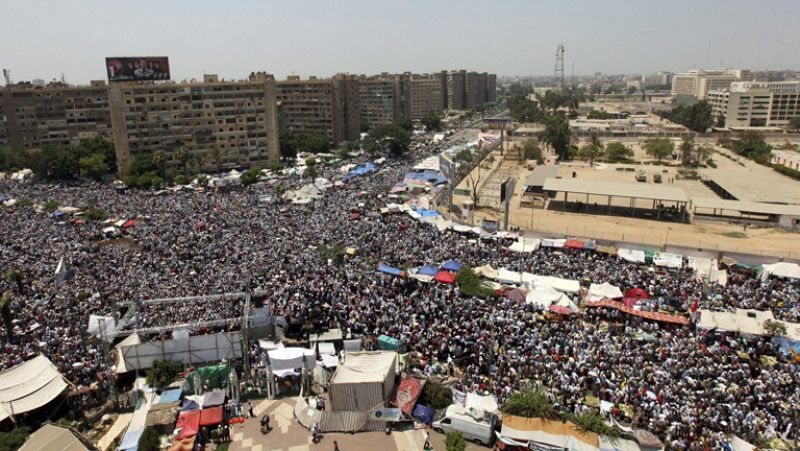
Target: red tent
573,244
445,277
128,223
211,416
637,293
560,310
515,294
189,423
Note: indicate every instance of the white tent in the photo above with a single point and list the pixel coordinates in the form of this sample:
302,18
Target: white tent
290,358
781,269
553,242
668,260
524,244
631,255
743,321
486,271
708,269
29,386
545,296
362,381
108,328
604,291
565,285
505,275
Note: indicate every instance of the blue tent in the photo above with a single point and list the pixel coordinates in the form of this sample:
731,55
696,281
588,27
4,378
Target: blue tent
361,169
452,266
168,396
188,404
427,213
427,175
58,213
424,414
428,270
389,269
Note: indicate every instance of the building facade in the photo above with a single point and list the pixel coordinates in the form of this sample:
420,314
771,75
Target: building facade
456,90
423,95
60,115
223,123
757,104
698,83
379,100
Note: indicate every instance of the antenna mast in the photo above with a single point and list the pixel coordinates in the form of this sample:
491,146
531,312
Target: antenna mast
558,73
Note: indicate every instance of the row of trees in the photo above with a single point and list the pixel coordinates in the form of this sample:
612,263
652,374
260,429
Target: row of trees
91,158
697,117
749,144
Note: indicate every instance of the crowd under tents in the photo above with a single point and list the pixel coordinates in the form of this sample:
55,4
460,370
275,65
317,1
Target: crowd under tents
668,260
29,386
631,255
547,297
525,245
359,170
539,433
708,269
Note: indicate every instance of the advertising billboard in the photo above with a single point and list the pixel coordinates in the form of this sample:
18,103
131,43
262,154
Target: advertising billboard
138,68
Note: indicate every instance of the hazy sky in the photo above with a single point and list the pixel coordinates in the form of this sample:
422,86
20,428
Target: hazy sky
42,39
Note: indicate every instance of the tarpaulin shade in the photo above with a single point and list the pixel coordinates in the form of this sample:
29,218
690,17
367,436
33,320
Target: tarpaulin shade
452,266
213,398
188,404
559,310
573,244
445,277
216,375
424,414
637,293
515,294
211,416
655,316
168,396
386,342
389,269
188,423
428,270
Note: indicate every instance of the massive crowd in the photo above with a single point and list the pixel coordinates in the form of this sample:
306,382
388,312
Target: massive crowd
687,388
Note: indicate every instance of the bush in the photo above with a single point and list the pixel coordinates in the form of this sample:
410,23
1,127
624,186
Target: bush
529,403
183,180
275,166
592,421
454,441
13,440
50,205
149,441
250,176
163,373
711,163
96,214
787,171
435,395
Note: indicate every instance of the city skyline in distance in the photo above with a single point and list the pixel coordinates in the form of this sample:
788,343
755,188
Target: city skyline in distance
323,38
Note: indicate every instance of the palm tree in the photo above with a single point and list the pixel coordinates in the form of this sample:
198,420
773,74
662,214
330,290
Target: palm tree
529,403
216,155
184,154
14,275
160,161
5,312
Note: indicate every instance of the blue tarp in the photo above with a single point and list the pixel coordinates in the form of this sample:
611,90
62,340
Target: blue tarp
188,404
428,176
427,213
58,213
389,269
786,345
130,441
361,169
452,266
428,270
423,413
168,396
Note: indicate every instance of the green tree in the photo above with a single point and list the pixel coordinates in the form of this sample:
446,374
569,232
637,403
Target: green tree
406,124
250,176
470,283
617,152
558,136
592,421
5,312
529,403
687,150
794,123
592,149
531,150
216,158
149,440
94,166
391,136
703,153
463,156
698,117
184,154
163,373
435,395
659,148
432,122
454,441
15,276
752,145
599,114
160,161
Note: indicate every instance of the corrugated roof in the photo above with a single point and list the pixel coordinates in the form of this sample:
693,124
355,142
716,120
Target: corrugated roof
745,206
28,386
637,190
53,438
540,174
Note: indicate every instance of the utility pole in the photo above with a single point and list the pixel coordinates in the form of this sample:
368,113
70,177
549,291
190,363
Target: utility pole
112,385
558,73
506,192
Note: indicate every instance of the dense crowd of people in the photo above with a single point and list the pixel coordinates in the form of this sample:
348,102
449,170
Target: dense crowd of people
686,387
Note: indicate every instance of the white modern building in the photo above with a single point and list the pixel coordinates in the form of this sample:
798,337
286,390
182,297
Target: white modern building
757,104
698,83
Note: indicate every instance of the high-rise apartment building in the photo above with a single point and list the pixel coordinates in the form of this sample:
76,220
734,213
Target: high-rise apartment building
480,91
379,100
421,95
327,106
456,90
757,104
697,83
491,88
468,90
57,114
232,123
471,91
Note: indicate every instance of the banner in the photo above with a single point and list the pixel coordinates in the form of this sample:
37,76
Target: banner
137,68
385,414
407,393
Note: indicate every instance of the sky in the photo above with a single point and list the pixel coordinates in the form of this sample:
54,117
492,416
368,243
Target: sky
43,39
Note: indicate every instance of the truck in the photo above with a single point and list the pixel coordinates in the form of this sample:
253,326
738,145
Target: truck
641,176
477,426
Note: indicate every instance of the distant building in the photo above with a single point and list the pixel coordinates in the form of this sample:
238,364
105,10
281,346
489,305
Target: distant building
422,95
469,90
656,79
456,90
757,104
698,83
379,100
57,114
234,119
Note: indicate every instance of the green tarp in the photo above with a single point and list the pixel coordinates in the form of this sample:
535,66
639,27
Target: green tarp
387,343
216,375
